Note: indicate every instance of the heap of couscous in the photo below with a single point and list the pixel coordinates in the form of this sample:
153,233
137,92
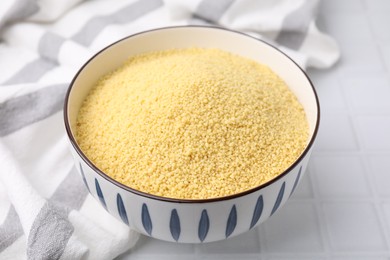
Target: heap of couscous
192,123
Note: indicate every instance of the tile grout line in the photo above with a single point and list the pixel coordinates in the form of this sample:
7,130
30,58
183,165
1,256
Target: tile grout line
377,44
263,247
378,205
320,219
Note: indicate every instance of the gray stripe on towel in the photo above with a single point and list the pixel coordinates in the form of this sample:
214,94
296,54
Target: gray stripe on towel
135,10
296,24
72,191
21,111
31,72
70,194
49,46
10,229
212,11
49,233
18,11
51,229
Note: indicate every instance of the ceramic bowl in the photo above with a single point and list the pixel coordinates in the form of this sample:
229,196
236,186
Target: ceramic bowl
190,221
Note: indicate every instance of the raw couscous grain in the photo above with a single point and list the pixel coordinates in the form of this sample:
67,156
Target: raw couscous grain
192,123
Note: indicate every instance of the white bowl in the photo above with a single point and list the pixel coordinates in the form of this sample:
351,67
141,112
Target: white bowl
190,221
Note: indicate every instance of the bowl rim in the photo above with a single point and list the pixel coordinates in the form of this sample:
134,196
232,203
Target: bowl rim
177,200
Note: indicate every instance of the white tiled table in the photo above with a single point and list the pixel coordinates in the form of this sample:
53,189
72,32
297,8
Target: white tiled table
341,210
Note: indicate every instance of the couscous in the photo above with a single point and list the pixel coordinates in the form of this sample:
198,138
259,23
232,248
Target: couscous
192,123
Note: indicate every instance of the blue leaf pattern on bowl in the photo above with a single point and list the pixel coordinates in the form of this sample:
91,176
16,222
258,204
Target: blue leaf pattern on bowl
204,225
146,220
100,194
231,222
279,198
174,225
296,181
121,209
257,212
83,176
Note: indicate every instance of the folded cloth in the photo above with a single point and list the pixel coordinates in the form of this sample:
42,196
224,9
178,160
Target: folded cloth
45,211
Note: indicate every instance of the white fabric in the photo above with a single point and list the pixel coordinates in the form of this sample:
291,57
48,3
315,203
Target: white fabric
42,45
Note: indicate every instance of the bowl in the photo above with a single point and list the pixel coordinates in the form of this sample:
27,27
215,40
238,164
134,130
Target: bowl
184,220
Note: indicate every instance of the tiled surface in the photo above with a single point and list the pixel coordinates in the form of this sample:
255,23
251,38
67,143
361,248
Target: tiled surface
353,226
334,174
341,210
296,220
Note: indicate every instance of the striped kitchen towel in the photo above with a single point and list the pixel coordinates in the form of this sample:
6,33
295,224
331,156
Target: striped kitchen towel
45,211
